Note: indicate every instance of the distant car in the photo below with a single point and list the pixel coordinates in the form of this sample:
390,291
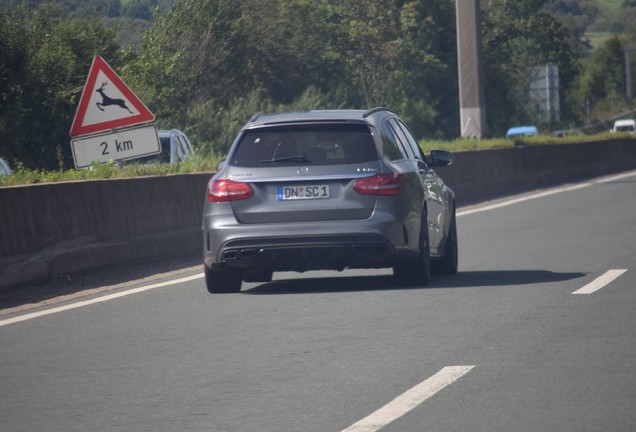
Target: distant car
625,126
175,147
176,144
327,190
566,133
522,131
5,170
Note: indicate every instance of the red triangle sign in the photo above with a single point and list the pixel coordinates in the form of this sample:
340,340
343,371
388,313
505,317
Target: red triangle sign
107,103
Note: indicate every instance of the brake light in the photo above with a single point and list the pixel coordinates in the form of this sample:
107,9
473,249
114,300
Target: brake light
228,190
380,184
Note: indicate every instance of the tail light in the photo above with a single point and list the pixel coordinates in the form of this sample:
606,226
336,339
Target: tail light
380,184
224,190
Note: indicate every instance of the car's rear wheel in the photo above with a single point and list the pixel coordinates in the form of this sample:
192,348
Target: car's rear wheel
416,272
223,280
448,264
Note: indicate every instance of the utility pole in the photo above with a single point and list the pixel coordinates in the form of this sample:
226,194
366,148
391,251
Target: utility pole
469,58
628,73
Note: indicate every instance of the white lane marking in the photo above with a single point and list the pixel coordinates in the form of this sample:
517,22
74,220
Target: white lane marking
600,281
409,399
523,198
545,193
616,177
54,310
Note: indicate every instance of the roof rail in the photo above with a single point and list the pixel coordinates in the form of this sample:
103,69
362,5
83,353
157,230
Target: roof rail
375,110
256,116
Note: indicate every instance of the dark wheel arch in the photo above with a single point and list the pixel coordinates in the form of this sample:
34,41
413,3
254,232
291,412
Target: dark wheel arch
449,263
417,272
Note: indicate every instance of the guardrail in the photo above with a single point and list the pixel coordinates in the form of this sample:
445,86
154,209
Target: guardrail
63,228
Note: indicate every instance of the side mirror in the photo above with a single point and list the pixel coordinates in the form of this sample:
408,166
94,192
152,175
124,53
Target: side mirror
220,165
440,158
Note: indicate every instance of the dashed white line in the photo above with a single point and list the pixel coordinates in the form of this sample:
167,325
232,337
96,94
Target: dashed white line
409,399
54,310
601,281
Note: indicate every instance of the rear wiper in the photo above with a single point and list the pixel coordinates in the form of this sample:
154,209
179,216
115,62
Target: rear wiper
287,159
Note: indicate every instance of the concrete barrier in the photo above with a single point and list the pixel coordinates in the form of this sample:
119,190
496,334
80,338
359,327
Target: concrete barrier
479,175
63,228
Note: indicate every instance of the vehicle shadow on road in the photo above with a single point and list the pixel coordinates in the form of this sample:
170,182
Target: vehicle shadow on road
487,278
326,285
467,279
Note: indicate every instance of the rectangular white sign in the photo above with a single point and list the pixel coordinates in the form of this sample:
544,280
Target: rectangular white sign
120,145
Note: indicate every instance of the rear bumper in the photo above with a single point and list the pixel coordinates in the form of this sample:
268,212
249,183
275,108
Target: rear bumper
307,253
371,243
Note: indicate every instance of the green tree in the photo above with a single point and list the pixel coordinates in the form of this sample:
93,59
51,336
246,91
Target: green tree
372,27
44,62
138,9
424,77
603,79
513,43
293,44
193,54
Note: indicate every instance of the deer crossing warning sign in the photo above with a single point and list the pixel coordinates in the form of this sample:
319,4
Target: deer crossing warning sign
111,121
107,103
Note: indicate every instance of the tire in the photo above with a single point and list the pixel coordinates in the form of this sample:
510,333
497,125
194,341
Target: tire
222,280
449,263
416,272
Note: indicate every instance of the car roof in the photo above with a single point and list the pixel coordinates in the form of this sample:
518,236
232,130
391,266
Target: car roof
4,166
522,130
344,115
166,132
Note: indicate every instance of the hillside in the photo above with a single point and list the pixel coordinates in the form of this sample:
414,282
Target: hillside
592,20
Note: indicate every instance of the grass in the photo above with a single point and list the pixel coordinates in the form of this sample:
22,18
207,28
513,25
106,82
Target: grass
198,164
611,5
486,144
23,176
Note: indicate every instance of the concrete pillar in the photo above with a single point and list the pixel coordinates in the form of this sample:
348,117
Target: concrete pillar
471,83
629,94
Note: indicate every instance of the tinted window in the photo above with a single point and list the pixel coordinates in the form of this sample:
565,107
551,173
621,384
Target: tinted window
390,147
165,144
627,128
411,141
182,147
311,144
395,140
401,139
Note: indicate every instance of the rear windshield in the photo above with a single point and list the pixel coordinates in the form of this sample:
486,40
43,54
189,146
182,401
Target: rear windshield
628,128
311,144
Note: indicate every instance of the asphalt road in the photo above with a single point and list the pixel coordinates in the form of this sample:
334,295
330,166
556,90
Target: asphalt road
536,333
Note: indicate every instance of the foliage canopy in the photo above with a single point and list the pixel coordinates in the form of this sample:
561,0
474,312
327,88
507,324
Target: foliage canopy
206,66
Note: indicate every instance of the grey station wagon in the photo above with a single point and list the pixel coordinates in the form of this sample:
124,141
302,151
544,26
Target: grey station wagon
330,189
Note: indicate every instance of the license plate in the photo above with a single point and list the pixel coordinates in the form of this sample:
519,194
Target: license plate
302,192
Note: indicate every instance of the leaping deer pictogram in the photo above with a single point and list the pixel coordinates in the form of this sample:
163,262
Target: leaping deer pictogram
110,101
